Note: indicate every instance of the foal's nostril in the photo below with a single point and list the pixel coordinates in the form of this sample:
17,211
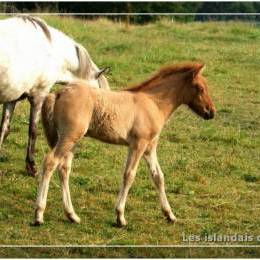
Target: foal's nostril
212,113
209,114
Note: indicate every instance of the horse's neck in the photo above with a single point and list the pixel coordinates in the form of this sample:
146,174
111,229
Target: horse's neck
167,97
64,49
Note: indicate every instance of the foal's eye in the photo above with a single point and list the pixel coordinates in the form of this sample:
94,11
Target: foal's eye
199,89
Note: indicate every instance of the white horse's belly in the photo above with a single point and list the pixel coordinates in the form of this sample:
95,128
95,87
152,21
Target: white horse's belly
8,94
18,77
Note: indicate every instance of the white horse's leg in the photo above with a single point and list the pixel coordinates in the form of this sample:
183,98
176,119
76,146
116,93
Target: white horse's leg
35,110
50,164
134,155
8,109
158,179
64,172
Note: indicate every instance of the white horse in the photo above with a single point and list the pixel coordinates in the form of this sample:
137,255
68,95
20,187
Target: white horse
33,57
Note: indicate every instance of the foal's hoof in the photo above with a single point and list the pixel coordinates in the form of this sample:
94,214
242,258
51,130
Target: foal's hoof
37,223
121,222
31,170
170,217
73,218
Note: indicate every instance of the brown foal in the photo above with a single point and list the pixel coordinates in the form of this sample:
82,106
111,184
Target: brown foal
132,117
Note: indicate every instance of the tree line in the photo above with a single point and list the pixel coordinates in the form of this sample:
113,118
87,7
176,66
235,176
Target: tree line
194,9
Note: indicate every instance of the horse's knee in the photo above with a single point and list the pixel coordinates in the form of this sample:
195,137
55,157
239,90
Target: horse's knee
157,177
129,177
62,168
50,162
65,163
64,147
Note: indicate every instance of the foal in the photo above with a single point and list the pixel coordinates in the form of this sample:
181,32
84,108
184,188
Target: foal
132,117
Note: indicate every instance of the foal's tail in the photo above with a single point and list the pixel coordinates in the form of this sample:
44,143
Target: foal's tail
48,121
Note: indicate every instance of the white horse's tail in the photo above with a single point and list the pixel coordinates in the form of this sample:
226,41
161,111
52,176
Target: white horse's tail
47,120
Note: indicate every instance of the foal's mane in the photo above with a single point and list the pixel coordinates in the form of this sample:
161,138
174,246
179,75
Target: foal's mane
37,21
163,73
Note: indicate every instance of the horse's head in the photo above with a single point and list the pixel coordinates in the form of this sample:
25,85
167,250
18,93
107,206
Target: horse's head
89,71
102,81
196,93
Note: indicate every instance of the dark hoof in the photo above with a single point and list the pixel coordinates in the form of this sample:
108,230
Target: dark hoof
73,218
36,223
170,217
31,169
120,224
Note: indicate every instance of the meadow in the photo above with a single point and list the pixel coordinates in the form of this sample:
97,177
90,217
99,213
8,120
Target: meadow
211,167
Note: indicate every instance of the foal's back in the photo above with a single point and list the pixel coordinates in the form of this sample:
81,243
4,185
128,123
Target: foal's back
102,114
112,117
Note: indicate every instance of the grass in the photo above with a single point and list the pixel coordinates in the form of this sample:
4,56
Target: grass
211,168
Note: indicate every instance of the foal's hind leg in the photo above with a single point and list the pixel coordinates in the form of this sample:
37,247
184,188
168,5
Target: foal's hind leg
52,160
49,165
64,172
134,154
158,179
8,109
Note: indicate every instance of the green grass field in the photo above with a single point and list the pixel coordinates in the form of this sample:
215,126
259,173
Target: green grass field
211,167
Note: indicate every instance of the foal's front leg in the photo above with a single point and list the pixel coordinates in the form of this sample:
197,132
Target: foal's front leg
158,179
35,110
8,109
134,155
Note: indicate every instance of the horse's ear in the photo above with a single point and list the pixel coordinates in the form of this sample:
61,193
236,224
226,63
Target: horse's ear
196,70
102,71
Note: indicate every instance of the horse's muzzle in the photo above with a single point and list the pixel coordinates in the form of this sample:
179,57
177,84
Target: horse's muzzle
209,114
